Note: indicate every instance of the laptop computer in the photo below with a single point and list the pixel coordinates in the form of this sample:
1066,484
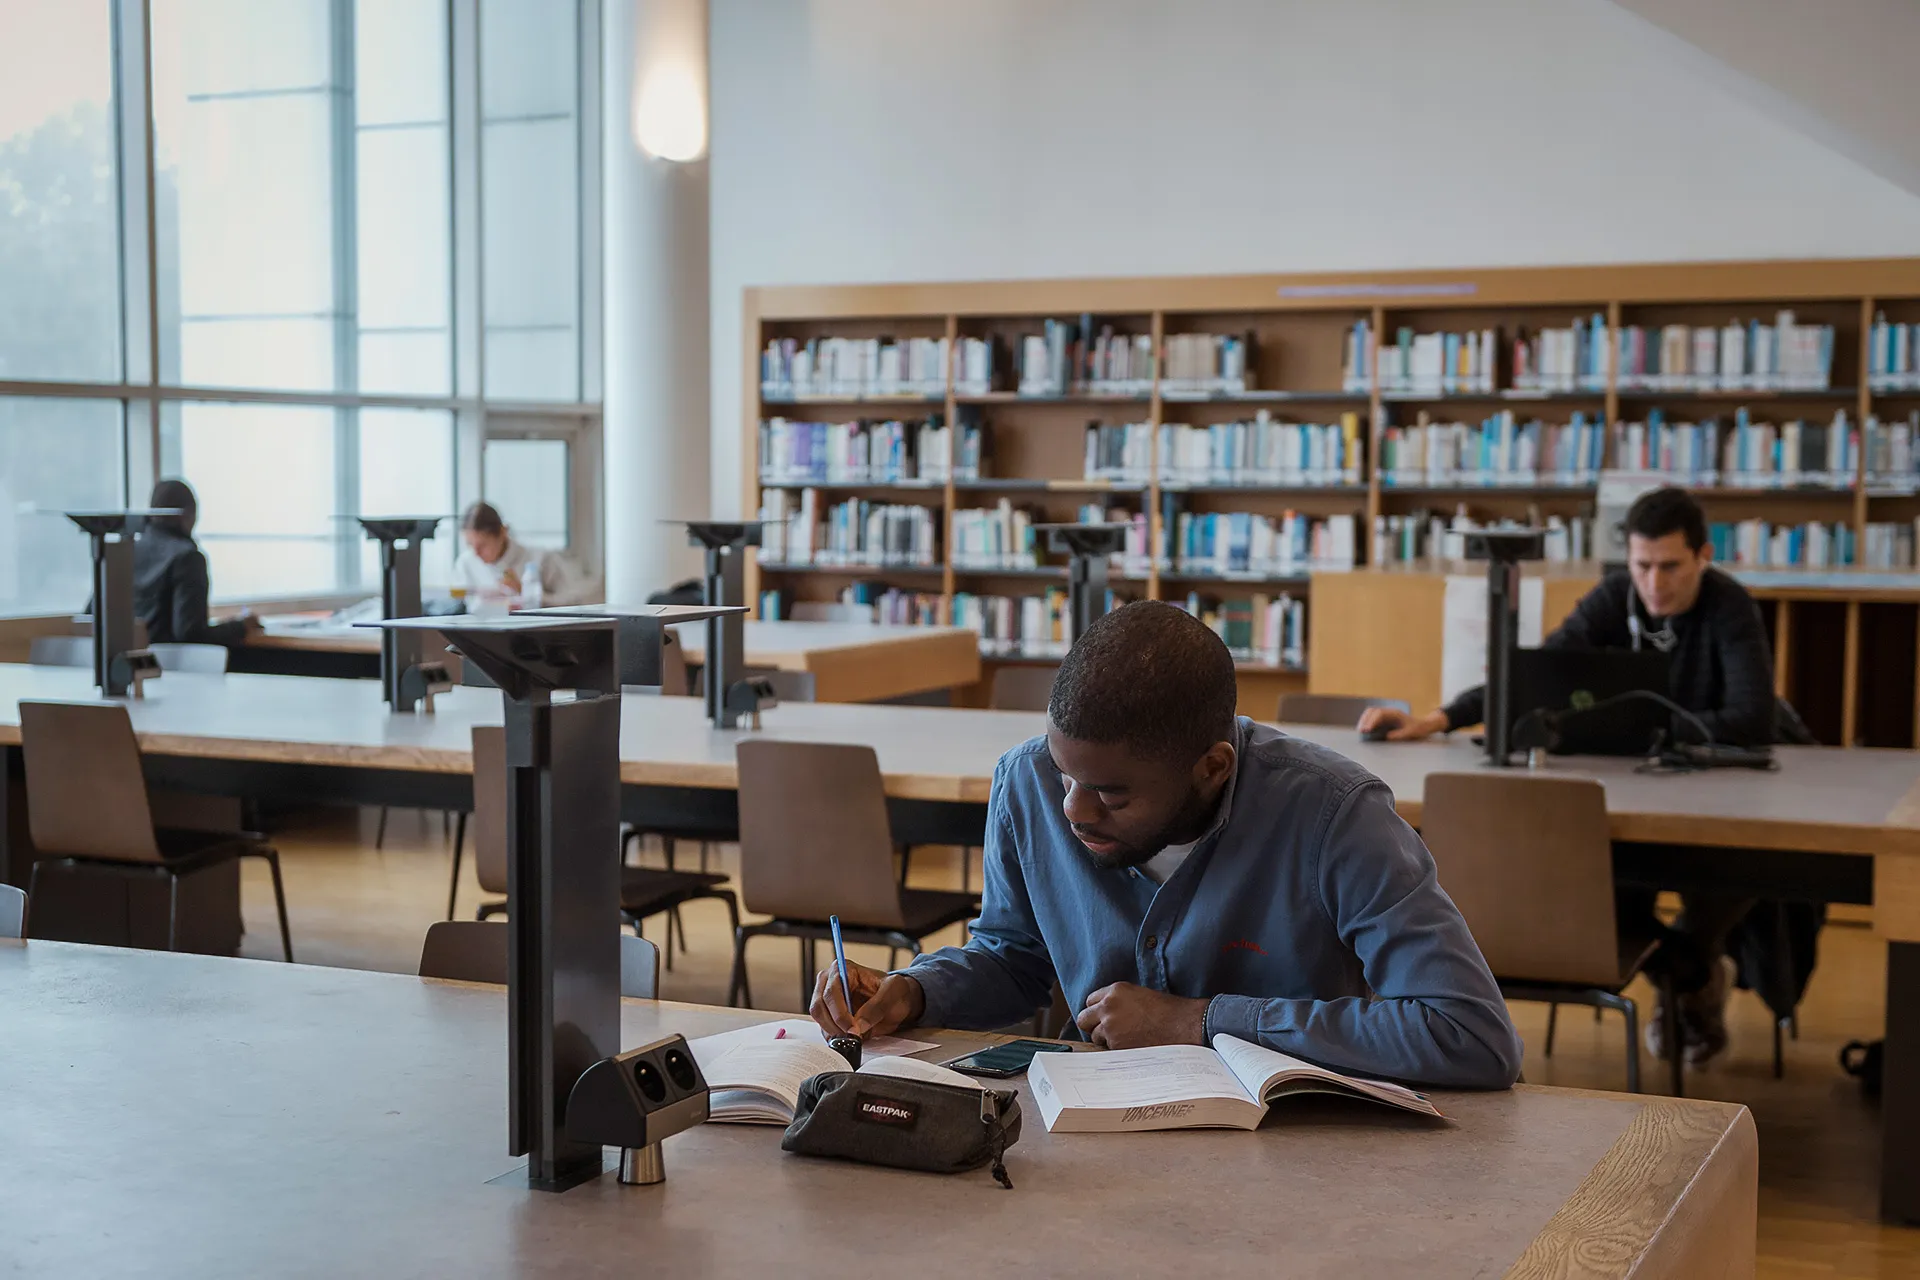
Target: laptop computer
1570,682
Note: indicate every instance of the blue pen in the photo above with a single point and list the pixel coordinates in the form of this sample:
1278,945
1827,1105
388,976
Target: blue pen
840,959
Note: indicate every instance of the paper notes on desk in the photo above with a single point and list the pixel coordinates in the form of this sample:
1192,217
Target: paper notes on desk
755,1073
1188,1087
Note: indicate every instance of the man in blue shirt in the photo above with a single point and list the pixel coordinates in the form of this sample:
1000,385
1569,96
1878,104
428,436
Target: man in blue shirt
1184,872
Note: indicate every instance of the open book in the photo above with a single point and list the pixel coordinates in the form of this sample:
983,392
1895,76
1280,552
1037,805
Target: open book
1181,1086
755,1073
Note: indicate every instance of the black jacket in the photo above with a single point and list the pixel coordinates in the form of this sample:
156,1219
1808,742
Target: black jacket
170,591
1722,669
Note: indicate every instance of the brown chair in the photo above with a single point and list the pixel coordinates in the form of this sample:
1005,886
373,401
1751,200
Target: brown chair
1330,708
643,891
87,807
1530,865
814,843
476,951
1022,688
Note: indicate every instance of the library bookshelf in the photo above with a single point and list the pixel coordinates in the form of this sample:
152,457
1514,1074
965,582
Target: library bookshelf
1299,362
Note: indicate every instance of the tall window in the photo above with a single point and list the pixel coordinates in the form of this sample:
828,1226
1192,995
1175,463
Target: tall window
317,169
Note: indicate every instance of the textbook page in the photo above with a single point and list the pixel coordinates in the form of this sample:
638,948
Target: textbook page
760,1083
1165,1087
1267,1073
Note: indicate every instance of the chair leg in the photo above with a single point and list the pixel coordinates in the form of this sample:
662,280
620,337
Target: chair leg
459,843
279,901
672,919
666,849
681,925
807,955
906,863
737,985
1631,1012
1779,1049
705,848
1676,1050
446,820
173,909
380,831
1553,1023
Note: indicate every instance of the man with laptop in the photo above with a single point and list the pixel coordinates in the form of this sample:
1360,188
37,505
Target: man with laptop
1671,601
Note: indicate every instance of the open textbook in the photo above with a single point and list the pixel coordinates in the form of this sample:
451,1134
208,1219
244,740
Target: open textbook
1187,1087
755,1073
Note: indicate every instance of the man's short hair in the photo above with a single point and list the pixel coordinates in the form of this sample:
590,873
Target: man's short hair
1149,676
1664,511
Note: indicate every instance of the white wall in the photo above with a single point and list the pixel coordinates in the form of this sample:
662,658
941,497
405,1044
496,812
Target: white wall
875,140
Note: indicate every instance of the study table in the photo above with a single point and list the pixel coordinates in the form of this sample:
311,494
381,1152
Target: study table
849,661
1831,825
209,1117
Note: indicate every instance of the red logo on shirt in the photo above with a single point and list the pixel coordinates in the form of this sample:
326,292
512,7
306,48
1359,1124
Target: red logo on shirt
1245,944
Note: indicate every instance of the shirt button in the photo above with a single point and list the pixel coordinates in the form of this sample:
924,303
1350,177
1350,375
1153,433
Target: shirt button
1151,939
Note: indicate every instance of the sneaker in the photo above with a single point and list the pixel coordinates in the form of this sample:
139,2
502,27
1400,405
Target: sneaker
1703,1015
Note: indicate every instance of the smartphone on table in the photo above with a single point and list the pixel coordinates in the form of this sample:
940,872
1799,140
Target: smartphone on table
1005,1060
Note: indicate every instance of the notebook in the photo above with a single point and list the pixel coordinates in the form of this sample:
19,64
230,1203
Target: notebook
755,1074
1188,1087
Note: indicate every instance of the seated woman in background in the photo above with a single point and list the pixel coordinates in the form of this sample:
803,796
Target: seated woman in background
170,576
495,566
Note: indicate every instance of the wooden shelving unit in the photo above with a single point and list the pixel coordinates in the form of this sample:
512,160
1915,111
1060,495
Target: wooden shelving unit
1300,325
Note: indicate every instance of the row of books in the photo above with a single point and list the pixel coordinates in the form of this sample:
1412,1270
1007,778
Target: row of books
1064,357
1121,454
1892,460
1739,356
1262,451
1813,545
1208,363
1257,546
895,452
790,368
1740,453
1424,536
801,530
1031,626
1893,355
1257,628
996,537
1890,544
1498,451
1438,363
1569,359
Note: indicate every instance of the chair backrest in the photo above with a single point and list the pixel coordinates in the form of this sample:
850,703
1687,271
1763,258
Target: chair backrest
86,795
489,825
1022,688
13,912
196,659
1330,708
61,651
1529,863
814,838
476,951
831,611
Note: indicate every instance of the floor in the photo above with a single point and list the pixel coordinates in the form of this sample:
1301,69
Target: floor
1819,1141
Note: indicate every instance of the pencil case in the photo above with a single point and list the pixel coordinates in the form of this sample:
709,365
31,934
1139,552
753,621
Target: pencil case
904,1124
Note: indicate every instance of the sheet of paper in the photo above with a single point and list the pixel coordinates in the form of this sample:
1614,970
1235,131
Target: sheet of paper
914,1069
1463,629
800,1029
1140,1077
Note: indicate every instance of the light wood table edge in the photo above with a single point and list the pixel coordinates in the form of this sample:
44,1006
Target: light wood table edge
895,667
1676,1196
1865,840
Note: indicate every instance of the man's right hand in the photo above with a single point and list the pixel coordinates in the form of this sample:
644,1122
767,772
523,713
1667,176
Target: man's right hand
1400,726
882,1002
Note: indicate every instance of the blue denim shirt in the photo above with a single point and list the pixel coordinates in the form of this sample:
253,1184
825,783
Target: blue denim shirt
1309,916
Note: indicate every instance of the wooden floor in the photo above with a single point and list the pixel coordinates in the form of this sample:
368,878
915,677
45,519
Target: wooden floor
1819,1141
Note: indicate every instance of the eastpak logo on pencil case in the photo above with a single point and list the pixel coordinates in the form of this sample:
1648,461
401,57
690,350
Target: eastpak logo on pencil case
874,1109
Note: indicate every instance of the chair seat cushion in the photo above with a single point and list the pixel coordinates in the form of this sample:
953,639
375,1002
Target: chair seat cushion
929,910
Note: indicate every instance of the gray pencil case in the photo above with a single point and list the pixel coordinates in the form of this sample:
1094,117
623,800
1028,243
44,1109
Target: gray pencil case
904,1124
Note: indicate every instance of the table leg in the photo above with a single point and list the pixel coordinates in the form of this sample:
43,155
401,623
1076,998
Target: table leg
1900,1096
9,874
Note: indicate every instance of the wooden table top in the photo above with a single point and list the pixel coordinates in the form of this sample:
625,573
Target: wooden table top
213,1117
781,645
1823,799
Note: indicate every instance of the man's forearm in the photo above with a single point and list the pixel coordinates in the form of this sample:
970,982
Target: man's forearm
975,988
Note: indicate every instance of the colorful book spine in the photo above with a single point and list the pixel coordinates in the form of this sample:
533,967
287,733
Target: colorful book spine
1262,452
